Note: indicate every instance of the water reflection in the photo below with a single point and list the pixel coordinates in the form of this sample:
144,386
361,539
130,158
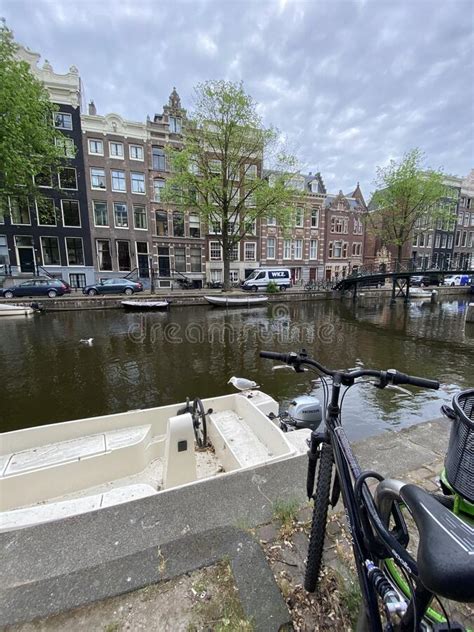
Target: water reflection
143,360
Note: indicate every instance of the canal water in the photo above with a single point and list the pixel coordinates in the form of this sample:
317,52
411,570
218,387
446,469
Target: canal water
144,360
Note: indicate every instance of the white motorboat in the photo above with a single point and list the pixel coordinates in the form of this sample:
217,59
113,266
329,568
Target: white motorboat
236,301
416,292
63,469
15,310
145,305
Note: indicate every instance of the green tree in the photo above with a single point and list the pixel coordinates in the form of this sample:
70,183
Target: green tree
28,139
408,195
218,171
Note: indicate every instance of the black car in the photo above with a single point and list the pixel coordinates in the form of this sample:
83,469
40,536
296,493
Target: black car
425,280
37,287
114,286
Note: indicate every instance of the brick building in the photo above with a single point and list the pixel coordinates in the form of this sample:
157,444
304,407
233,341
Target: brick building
463,251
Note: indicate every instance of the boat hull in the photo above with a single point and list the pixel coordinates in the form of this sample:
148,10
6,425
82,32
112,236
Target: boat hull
145,305
15,310
227,301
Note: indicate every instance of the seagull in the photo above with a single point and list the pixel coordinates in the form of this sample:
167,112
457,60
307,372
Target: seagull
86,341
242,384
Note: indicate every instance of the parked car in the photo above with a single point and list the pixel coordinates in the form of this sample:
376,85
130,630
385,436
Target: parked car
113,286
425,280
37,287
453,280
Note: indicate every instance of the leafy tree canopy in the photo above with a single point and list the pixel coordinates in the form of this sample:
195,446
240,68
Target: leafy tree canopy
29,143
218,171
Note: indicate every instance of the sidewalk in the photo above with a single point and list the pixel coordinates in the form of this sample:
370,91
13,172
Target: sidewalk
227,579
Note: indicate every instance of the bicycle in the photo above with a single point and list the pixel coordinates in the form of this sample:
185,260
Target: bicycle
397,590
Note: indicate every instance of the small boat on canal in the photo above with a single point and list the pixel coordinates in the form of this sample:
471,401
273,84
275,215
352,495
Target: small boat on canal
145,305
236,301
416,292
15,310
64,469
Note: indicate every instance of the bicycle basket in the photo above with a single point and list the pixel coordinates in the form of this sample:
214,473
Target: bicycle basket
460,456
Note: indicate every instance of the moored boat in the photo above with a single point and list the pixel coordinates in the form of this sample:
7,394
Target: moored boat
236,301
145,305
15,310
59,470
416,292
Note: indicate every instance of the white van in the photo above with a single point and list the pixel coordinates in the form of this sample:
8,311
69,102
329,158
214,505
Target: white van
261,277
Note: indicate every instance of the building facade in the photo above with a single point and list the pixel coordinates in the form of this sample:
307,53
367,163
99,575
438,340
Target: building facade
116,167
50,235
463,251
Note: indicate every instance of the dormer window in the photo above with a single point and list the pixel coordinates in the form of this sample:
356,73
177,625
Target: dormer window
175,124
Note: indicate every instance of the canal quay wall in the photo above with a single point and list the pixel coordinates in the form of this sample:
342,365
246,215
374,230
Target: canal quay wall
193,298
58,566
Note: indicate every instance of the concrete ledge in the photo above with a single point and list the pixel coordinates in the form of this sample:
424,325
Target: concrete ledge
260,597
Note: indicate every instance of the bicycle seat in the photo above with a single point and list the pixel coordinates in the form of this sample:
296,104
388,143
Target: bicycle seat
446,548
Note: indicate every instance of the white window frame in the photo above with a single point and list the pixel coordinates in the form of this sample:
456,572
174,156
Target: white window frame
155,188
78,265
299,217
146,216
49,265
271,221
271,248
115,217
94,202
252,246
104,188
98,258
287,249
67,115
79,214
59,180
112,171
313,249
118,144
66,144
313,211
142,175
215,166
38,217
28,223
140,147
298,249
95,140
216,244
250,171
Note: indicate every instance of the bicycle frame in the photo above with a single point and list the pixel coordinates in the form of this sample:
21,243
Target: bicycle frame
348,471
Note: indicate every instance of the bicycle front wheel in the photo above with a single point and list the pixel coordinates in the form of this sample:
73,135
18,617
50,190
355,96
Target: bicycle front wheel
318,524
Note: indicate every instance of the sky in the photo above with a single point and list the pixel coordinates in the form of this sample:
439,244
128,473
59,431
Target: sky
349,84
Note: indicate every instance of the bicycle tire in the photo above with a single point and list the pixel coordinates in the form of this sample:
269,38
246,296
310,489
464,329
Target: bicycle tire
319,521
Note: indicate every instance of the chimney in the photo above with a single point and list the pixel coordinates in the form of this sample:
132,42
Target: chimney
92,109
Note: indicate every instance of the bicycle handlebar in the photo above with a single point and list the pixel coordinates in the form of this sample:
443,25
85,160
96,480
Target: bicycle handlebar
391,376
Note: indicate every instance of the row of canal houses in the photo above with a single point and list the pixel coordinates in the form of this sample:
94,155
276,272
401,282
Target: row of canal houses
110,219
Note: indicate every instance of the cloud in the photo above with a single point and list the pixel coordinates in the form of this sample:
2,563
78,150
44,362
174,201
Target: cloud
350,84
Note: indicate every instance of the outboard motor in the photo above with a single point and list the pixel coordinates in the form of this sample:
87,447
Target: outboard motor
303,412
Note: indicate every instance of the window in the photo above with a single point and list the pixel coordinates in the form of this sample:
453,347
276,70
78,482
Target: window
437,240
62,120
464,239
136,152
250,251
299,217
158,159
97,178
314,218
46,212
450,241
139,217
250,171
196,257
101,215
118,181
161,223
163,261
234,253
357,226
194,226
271,221
138,182
104,258
71,215
249,199
466,219
251,227
96,146
180,259
175,124
415,239
75,251
443,241
67,178
215,251
123,255
178,224
344,250
77,279
44,179
336,248
356,249
215,226
215,167
50,250
287,249
157,186
115,150
66,145
422,240
19,210
120,215
271,248
338,225
298,249
429,242
313,249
